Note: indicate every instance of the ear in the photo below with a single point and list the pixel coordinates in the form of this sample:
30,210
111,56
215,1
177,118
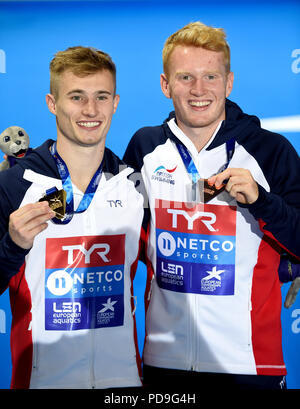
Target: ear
50,101
164,84
116,102
229,84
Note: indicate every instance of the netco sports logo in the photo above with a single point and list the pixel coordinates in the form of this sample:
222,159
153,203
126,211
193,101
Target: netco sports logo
195,247
84,282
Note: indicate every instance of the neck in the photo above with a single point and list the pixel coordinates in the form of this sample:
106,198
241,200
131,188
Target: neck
199,136
82,162
199,139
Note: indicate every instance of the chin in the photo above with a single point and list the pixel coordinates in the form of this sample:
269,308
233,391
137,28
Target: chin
198,124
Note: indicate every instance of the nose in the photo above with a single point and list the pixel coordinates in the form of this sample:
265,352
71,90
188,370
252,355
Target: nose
90,108
198,87
18,142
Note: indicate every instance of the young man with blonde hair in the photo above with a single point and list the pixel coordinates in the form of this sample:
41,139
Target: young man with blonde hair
224,199
70,224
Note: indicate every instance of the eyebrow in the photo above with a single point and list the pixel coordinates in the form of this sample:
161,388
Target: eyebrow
183,73
81,91
190,73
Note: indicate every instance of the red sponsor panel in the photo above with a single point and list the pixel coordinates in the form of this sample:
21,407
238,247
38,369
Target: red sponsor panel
196,218
21,337
266,311
85,251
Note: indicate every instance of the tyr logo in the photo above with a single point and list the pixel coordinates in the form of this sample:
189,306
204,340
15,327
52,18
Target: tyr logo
87,252
115,203
210,218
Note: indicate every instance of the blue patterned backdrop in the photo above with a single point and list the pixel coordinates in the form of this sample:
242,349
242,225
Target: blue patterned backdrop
265,43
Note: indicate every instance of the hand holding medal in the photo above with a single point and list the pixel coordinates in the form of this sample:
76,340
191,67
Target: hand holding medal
27,222
239,183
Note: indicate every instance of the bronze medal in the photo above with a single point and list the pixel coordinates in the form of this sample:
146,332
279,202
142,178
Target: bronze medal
57,202
208,192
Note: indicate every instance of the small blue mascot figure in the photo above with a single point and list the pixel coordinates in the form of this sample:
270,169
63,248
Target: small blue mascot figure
14,143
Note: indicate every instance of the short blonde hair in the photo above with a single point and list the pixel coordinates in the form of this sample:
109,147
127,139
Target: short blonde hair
198,35
81,61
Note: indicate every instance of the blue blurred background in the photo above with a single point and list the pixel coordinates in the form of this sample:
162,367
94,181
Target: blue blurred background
265,44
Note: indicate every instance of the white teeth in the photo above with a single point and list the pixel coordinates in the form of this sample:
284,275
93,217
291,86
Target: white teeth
89,124
199,103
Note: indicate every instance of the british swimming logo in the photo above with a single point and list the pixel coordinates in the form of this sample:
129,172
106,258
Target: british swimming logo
84,282
161,168
196,248
162,174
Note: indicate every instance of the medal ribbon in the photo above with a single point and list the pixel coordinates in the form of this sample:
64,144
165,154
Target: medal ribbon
67,186
190,165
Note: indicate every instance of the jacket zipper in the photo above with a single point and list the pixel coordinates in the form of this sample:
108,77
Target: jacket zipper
193,338
92,361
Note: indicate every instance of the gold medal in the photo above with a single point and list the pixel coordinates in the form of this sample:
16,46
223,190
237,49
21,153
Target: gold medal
57,202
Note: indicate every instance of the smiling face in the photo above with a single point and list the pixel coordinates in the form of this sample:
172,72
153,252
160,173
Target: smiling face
84,107
198,84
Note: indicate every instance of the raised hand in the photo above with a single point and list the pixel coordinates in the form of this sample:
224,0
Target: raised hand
239,184
27,222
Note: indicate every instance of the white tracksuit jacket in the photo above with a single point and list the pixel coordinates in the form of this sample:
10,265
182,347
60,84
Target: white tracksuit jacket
214,297
73,323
